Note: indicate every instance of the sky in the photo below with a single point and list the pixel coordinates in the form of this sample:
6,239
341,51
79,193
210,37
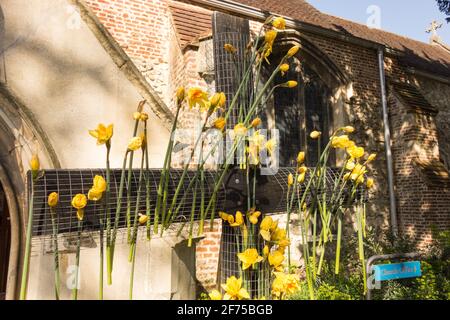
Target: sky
408,18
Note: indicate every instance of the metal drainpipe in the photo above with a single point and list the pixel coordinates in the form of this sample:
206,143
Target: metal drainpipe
387,141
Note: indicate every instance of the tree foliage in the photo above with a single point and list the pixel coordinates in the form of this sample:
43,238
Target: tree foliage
444,6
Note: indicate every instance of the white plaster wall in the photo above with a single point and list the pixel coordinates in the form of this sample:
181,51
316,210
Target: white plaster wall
60,71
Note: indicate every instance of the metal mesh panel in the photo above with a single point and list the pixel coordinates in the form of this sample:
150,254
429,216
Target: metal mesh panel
68,183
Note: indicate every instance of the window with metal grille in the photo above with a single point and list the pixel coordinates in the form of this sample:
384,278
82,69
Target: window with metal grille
296,112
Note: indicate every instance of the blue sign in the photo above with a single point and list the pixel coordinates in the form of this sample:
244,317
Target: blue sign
384,272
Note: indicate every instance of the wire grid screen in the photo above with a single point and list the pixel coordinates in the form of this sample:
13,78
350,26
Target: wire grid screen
230,68
68,183
273,191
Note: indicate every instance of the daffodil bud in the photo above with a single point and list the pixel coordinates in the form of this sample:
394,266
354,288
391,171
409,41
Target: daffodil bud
372,157
301,178
53,199
293,51
290,180
136,115
370,183
301,157
180,94
256,122
219,123
284,68
230,48
143,117
302,169
349,129
143,219
35,163
290,84
135,144
315,135
266,251
218,100
240,130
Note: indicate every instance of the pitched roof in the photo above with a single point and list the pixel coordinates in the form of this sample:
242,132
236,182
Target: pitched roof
415,53
190,22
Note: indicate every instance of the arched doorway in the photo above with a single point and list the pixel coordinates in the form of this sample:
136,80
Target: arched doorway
5,242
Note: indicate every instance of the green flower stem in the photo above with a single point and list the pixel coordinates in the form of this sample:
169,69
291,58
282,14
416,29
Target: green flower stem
107,215
133,261
134,230
110,250
193,208
147,185
55,251
77,261
130,174
338,244
26,260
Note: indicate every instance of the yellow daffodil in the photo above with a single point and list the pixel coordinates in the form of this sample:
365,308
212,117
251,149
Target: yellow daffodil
234,290
219,123
135,144
266,223
276,260
257,139
240,130
95,194
350,165
249,258
271,145
215,295
290,180
143,218
223,215
238,220
315,135
302,169
279,23
279,234
284,243
370,183
358,173
341,142
103,134
79,202
284,68
53,199
254,217
270,37
356,152
230,48
35,163
99,183
284,284
349,129
256,122
197,96
293,51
